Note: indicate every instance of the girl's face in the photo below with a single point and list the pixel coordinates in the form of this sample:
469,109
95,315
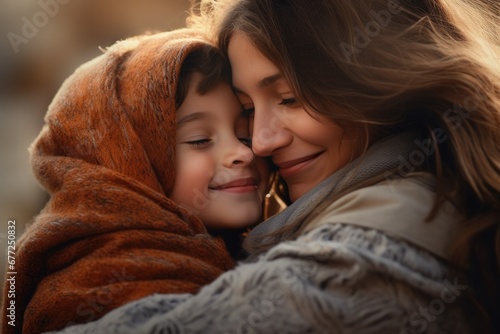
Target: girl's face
305,149
218,178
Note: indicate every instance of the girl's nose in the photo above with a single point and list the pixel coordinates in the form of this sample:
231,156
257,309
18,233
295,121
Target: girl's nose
238,154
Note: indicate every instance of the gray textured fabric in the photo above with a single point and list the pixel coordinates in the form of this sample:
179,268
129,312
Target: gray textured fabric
335,278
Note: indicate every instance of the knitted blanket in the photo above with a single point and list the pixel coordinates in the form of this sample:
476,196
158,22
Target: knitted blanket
109,234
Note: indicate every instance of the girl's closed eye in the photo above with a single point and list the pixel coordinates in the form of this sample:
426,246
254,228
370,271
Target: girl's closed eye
246,141
199,143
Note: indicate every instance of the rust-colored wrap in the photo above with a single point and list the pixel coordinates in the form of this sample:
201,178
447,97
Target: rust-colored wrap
109,234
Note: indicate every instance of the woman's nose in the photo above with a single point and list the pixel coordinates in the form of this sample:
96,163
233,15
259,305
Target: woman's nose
269,132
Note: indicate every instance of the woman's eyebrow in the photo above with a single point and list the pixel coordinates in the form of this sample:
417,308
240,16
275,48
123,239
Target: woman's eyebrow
196,116
267,81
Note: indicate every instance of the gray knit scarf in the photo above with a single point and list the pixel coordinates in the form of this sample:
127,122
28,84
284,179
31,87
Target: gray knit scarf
384,155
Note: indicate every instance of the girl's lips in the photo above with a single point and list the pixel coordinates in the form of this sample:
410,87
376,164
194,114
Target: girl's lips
291,167
243,185
239,189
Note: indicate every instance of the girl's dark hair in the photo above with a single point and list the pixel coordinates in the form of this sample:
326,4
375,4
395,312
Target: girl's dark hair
211,64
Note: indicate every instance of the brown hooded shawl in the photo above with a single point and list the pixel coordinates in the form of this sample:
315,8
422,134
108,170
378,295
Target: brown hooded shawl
109,234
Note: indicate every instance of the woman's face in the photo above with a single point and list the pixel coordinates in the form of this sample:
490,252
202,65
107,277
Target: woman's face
305,149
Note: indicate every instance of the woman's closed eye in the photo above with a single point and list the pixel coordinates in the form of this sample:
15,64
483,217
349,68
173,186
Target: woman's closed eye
290,102
248,111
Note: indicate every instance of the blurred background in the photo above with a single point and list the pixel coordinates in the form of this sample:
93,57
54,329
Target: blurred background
42,42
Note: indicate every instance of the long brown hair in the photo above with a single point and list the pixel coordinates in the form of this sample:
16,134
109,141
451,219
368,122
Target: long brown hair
386,67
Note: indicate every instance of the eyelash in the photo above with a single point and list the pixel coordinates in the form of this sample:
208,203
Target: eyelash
246,141
285,102
204,142
248,112
197,143
288,102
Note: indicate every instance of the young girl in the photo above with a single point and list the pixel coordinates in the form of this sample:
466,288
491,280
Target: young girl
141,145
218,178
383,119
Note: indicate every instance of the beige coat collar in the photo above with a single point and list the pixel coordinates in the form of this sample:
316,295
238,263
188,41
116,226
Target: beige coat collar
400,209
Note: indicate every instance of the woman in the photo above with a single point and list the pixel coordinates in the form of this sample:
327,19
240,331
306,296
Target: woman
383,118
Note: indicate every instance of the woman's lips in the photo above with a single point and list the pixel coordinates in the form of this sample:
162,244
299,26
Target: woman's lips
288,168
243,185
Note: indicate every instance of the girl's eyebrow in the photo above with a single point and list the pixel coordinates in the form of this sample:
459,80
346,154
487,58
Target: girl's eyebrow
196,116
267,81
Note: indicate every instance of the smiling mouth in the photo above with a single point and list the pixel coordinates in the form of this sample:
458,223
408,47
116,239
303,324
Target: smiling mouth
290,167
244,185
